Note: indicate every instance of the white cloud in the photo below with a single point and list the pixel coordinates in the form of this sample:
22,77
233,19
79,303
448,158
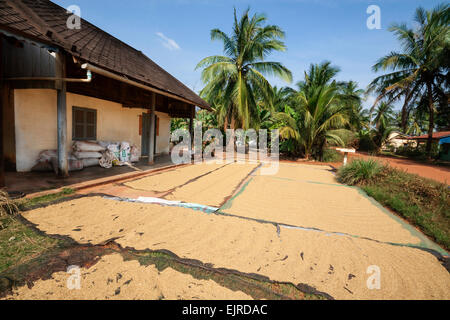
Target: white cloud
167,42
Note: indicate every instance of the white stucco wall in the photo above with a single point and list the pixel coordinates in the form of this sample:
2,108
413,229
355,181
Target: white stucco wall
35,123
114,123
163,139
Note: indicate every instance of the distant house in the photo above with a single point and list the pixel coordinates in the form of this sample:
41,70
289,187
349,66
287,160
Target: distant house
397,140
441,138
61,85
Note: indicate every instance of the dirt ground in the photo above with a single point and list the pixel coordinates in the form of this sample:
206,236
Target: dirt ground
434,172
298,226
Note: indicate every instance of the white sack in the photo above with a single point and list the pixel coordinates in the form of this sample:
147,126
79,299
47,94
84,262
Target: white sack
125,152
87,155
90,162
76,165
135,154
87,146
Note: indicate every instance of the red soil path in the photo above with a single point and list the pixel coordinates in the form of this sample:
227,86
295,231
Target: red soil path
437,173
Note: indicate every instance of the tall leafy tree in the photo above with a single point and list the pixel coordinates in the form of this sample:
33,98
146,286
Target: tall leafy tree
420,71
417,123
317,115
237,78
384,115
323,118
280,98
318,75
352,97
383,124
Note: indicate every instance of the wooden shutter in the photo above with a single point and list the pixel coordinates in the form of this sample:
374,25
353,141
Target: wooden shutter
84,124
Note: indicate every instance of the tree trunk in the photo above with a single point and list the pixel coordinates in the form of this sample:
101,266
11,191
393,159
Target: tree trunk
233,123
405,112
405,118
307,153
323,145
431,120
2,93
225,124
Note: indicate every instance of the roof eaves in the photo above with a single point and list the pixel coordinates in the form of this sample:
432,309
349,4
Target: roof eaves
50,36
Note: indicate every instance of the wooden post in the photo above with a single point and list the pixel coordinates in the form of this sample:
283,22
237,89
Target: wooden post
2,159
2,99
151,139
191,125
63,166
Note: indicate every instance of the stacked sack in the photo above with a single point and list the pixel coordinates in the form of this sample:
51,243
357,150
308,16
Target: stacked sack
129,153
111,154
88,152
118,154
48,161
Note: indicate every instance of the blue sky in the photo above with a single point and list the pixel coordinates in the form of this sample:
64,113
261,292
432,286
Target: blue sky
175,33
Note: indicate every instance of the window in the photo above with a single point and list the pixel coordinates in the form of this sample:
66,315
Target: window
84,124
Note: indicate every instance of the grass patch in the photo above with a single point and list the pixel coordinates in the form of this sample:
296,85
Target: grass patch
19,244
423,202
360,172
44,200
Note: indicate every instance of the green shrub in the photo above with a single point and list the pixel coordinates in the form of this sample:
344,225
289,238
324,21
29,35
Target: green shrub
424,203
418,153
331,155
360,172
365,143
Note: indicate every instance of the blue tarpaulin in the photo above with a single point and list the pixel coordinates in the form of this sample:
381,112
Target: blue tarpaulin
444,140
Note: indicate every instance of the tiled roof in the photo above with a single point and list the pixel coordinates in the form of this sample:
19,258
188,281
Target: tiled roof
436,135
46,21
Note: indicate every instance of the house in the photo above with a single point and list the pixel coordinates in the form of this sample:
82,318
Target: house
441,138
397,140
61,84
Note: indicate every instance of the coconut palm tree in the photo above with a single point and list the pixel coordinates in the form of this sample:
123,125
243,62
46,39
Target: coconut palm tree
323,113
316,115
383,115
280,115
280,98
318,75
383,124
323,118
238,77
421,70
352,97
